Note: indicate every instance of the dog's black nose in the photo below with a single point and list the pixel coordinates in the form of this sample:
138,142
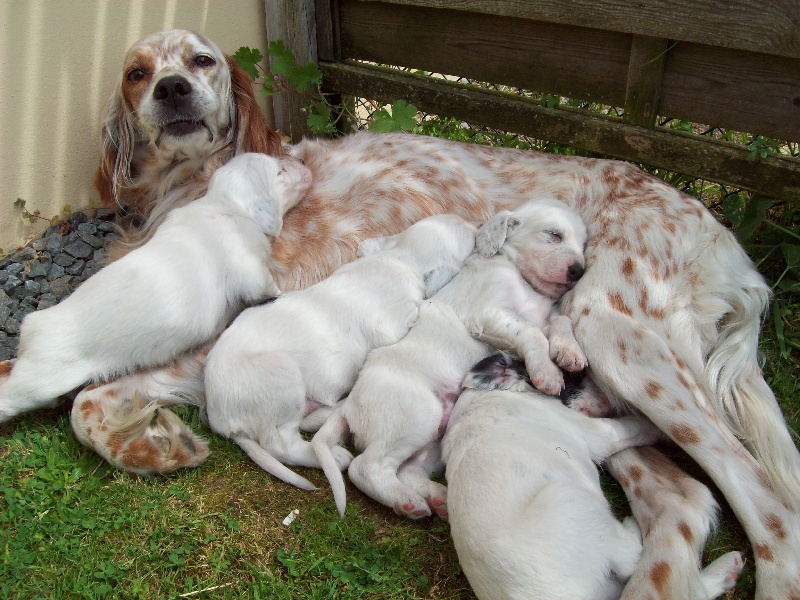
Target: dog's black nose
574,272
172,89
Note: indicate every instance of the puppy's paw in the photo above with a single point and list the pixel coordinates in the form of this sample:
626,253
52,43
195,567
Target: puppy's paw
565,352
413,509
342,456
438,505
722,574
546,377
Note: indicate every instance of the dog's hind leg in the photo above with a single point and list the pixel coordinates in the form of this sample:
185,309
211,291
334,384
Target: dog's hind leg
676,514
123,421
416,473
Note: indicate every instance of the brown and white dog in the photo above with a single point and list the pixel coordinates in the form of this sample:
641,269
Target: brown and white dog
668,311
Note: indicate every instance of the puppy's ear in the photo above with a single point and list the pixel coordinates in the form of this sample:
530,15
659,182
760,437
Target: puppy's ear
268,216
253,134
372,245
437,278
492,235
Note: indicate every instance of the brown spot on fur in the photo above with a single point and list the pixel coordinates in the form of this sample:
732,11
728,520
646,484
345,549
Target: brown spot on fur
627,267
637,491
636,473
775,525
142,453
585,312
624,481
653,389
764,552
684,434
686,532
659,575
5,368
89,408
683,381
618,304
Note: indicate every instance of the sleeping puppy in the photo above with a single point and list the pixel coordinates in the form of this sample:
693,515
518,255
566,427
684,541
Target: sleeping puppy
174,293
503,297
527,514
299,355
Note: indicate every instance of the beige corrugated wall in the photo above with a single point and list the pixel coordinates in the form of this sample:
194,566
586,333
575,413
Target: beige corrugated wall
59,61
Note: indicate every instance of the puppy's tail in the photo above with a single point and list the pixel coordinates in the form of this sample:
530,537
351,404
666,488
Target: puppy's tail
744,400
272,465
331,434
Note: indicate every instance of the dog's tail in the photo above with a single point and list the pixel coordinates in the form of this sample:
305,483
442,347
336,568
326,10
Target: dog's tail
737,297
331,434
272,465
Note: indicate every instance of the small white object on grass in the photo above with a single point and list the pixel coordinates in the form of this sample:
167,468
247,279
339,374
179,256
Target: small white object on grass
291,516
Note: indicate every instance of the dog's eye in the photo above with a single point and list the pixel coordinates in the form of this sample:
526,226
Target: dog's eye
204,60
554,236
136,75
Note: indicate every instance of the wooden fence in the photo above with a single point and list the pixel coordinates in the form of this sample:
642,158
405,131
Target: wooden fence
734,65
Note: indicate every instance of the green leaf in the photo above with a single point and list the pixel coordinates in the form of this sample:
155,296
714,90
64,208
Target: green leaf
247,58
382,122
753,216
319,119
791,253
282,61
405,115
305,77
402,118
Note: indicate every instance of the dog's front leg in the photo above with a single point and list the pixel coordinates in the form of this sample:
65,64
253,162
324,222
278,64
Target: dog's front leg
564,348
506,331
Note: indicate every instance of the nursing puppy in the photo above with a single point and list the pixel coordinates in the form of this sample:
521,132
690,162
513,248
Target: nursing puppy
180,289
528,516
299,355
503,297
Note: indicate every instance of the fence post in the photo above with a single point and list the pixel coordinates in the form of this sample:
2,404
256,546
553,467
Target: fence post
294,23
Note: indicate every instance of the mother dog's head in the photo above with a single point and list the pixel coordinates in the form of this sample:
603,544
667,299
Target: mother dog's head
544,238
182,108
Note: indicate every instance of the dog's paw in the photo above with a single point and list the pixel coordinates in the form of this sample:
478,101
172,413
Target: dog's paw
413,509
722,574
342,456
565,352
546,377
438,504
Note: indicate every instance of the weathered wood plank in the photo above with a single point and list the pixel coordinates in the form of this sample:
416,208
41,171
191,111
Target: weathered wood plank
769,27
294,23
577,62
726,163
645,72
733,89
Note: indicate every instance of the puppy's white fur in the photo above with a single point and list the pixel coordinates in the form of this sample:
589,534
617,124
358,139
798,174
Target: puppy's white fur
527,514
503,296
170,295
299,355
529,519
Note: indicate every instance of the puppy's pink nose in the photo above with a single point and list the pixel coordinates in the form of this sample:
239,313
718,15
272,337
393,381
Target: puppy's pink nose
574,272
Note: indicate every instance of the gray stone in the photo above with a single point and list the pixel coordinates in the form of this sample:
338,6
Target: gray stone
63,259
55,243
39,268
75,268
78,249
14,268
46,301
11,282
61,287
55,272
25,254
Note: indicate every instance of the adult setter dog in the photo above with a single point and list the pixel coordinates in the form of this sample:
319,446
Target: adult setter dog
668,311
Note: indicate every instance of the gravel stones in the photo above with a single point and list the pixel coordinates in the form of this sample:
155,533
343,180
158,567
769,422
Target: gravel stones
46,270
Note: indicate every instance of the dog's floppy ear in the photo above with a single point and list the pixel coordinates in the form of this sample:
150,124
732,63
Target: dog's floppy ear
268,215
253,134
492,235
116,157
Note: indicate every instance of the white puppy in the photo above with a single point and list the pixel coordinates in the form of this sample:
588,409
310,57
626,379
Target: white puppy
527,514
175,292
503,297
278,363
